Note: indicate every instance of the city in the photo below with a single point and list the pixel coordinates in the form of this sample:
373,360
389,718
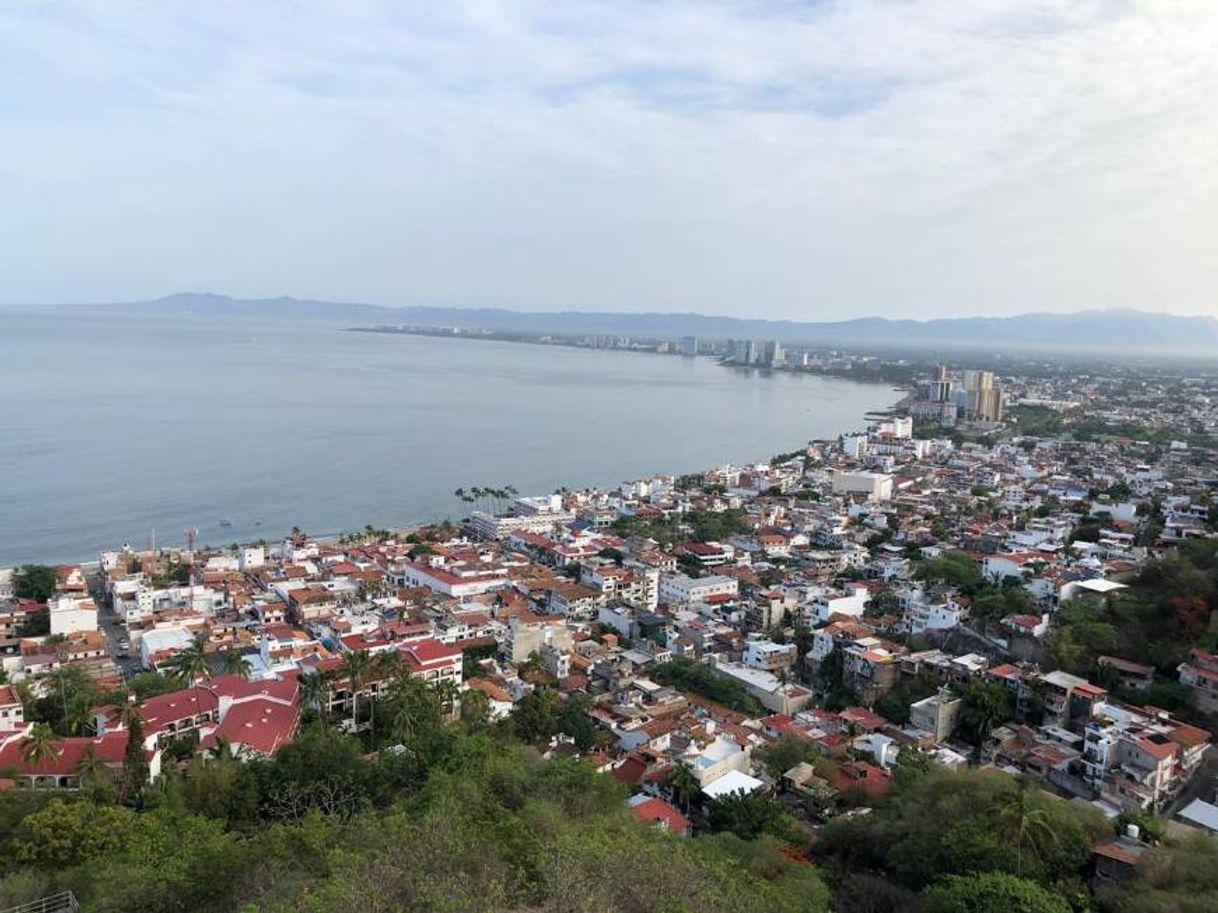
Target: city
1007,576
609,457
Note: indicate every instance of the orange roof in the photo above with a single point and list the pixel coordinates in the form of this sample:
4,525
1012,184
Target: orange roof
657,811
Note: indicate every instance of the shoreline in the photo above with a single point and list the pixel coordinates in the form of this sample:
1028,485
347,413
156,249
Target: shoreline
93,563
647,346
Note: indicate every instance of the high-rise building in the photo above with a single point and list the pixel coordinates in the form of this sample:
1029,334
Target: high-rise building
981,397
689,345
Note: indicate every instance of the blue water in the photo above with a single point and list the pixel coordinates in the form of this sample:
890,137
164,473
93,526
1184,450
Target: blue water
111,427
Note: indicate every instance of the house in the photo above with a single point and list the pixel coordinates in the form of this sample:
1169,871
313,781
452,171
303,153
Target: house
866,779
1116,859
70,613
1200,674
1036,626
731,783
937,715
12,716
63,770
658,813
1140,758
1133,676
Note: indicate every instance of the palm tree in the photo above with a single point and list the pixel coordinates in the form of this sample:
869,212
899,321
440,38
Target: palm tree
388,665
684,785
41,745
79,717
1028,826
355,667
475,708
315,691
190,663
234,663
415,708
91,769
448,694
129,711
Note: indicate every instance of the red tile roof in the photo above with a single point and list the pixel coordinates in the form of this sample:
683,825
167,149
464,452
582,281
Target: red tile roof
108,748
657,811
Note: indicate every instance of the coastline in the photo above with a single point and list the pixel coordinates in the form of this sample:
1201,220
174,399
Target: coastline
92,564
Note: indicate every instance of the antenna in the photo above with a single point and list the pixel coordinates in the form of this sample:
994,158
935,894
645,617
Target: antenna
192,533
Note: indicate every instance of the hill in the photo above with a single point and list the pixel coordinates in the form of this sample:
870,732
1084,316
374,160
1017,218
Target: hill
1089,331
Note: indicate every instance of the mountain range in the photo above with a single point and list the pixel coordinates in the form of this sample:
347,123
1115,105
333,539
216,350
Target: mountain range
1091,331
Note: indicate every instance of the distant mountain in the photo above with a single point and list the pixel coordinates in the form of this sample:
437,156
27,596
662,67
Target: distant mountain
1092,331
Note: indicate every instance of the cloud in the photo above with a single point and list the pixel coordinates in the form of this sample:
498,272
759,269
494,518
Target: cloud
817,159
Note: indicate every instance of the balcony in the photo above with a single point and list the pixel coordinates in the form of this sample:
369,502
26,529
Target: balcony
64,902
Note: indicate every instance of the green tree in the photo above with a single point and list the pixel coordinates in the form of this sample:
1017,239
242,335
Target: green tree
35,581
685,787
190,663
749,815
991,892
315,691
92,769
535,717
1029,827
355,668
40,746
65,834
135,764
986,705
232,662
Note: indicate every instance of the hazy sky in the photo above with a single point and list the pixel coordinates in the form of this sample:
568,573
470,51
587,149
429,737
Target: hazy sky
801,160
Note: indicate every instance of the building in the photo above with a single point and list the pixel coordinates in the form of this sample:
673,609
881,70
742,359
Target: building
72,613
767,655
1139,759
658,813
12,714
489,526
458,581
875,486
937,714
1200,674
980,397
678,589
63,770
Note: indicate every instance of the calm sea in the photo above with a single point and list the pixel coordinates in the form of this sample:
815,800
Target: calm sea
113,428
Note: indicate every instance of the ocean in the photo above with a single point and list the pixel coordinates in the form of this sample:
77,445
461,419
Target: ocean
116,429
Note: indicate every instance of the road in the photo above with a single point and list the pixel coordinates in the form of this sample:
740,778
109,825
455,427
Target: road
112,626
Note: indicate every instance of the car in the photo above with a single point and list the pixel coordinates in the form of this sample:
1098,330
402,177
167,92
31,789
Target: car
124,644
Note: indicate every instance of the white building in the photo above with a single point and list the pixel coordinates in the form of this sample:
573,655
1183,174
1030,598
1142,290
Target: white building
877,486
920,615
852,601
765,654
70,614
679,589
251,557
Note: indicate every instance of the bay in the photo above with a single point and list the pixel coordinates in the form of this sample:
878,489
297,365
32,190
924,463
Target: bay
114,427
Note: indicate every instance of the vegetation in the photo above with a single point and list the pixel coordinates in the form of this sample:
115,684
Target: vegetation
1178,876
35,581
457,819
687,675
937,824
991,892
1156,621
699,525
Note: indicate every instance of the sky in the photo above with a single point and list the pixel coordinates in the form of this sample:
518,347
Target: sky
798,160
